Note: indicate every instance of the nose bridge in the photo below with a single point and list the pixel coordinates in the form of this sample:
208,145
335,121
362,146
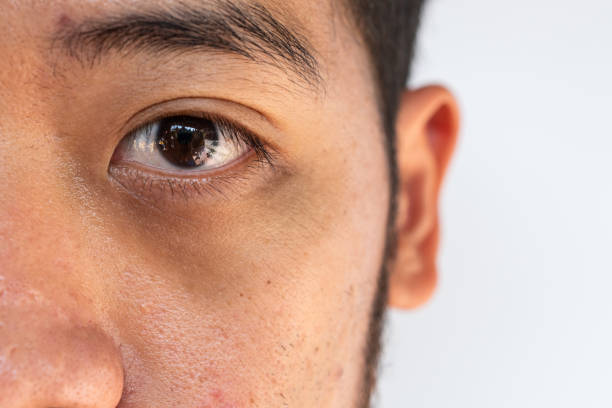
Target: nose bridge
53,349
37,221
34,229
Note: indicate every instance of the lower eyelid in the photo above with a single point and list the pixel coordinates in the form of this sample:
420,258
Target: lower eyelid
145,183
159,187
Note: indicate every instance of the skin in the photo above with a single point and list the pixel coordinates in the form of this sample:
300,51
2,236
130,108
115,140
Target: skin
255,296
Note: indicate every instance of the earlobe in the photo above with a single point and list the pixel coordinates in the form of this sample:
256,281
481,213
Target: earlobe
427,127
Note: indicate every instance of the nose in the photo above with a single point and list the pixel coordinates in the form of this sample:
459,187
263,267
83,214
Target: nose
47,359
55,350
55,347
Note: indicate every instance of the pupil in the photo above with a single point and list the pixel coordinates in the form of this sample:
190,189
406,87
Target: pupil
184,136
183,140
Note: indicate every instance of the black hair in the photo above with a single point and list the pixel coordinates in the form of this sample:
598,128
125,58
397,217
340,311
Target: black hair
388,29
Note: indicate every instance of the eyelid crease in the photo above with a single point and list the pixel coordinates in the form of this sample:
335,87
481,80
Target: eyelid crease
207,108
200,100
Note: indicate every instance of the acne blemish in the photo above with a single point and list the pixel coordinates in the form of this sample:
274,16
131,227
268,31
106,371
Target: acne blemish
64,22
146,308
216,399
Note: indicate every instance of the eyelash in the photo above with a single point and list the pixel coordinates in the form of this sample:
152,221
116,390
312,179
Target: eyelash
198,183
263,152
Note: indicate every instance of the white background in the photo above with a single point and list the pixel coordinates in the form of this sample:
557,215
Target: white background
523,314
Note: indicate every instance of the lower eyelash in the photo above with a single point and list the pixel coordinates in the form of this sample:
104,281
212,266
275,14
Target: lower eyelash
156,187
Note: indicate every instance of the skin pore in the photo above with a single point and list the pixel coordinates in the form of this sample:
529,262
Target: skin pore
253,284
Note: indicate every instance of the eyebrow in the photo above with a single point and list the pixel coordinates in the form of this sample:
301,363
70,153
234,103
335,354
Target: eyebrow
248,30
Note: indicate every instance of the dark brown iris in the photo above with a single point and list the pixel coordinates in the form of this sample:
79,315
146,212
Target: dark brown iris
186,141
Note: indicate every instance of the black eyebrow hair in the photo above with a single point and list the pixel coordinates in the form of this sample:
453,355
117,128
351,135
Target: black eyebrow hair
248,30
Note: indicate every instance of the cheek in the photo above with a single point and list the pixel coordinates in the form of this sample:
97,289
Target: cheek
325,261
270,301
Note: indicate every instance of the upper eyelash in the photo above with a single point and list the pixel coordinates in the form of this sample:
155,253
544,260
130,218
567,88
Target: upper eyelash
264,153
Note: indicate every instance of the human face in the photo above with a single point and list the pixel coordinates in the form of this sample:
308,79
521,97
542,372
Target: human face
135,276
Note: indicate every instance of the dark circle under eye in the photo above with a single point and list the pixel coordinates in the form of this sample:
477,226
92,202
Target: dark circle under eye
186,141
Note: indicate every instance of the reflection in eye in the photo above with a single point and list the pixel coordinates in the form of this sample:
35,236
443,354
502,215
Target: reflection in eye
185,143
191,156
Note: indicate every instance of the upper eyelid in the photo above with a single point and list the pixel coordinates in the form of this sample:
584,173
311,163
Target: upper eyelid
239,116
155,111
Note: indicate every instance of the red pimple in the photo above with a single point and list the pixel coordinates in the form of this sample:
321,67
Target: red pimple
216,399
64,21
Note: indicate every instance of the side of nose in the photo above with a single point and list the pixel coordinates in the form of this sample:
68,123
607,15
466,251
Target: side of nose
48,360
53,349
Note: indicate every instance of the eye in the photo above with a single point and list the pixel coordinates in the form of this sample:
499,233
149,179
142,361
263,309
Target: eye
180,144
190,155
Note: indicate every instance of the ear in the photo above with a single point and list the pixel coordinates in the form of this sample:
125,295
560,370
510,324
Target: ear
427,127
